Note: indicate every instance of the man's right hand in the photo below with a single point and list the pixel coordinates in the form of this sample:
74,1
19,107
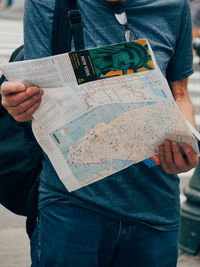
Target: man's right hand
21,101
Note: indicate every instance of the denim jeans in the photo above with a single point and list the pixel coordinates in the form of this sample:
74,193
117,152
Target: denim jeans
71,236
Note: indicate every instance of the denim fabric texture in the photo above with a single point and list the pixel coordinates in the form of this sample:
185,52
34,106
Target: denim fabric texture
89,239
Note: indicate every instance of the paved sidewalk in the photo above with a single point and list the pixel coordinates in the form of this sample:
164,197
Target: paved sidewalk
14,248
14,243
186,260
13,12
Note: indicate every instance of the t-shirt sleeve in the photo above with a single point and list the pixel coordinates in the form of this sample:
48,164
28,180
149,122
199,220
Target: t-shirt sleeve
181,64
38,23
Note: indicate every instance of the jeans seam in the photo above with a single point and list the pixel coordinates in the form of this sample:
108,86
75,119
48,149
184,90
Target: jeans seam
39,241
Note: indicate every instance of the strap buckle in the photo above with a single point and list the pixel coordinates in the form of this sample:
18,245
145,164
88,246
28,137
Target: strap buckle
74,17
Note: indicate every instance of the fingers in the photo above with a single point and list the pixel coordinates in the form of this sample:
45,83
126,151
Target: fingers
15,98
168,152
12,87
174,161
166,157
21,101
191,156
28,114
179,159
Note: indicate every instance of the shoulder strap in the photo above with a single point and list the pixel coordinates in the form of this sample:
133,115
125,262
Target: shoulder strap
67,22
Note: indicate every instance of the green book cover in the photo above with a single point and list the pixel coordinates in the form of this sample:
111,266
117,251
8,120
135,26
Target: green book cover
113,60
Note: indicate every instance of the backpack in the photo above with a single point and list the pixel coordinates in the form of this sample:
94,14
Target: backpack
20,155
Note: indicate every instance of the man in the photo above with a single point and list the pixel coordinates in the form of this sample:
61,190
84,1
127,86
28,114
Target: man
130,218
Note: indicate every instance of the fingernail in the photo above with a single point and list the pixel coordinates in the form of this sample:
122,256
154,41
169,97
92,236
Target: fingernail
35,89
185,147
174,144
185,144
21,86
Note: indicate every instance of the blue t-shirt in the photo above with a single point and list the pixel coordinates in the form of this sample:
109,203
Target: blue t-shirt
136,194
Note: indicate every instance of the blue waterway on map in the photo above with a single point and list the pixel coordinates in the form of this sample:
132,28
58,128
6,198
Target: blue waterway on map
73,131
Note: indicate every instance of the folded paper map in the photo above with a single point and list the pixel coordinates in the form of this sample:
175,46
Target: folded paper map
103,110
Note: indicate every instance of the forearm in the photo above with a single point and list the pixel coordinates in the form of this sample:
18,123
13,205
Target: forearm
187,109
182,98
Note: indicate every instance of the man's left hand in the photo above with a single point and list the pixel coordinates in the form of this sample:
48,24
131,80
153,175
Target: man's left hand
175,161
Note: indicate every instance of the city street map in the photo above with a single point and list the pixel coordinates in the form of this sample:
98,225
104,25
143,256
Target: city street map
96,117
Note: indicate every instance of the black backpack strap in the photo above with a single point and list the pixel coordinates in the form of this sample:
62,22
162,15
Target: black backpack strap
67,22
77,28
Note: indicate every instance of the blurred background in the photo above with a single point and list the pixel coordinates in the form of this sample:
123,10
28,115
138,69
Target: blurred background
14,243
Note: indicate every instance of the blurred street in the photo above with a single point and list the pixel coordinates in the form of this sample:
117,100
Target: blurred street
14,243
11,37
14,11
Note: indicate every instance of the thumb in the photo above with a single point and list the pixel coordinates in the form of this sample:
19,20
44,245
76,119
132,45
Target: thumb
11,88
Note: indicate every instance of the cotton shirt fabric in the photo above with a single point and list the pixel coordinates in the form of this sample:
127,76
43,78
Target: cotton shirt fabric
136,194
